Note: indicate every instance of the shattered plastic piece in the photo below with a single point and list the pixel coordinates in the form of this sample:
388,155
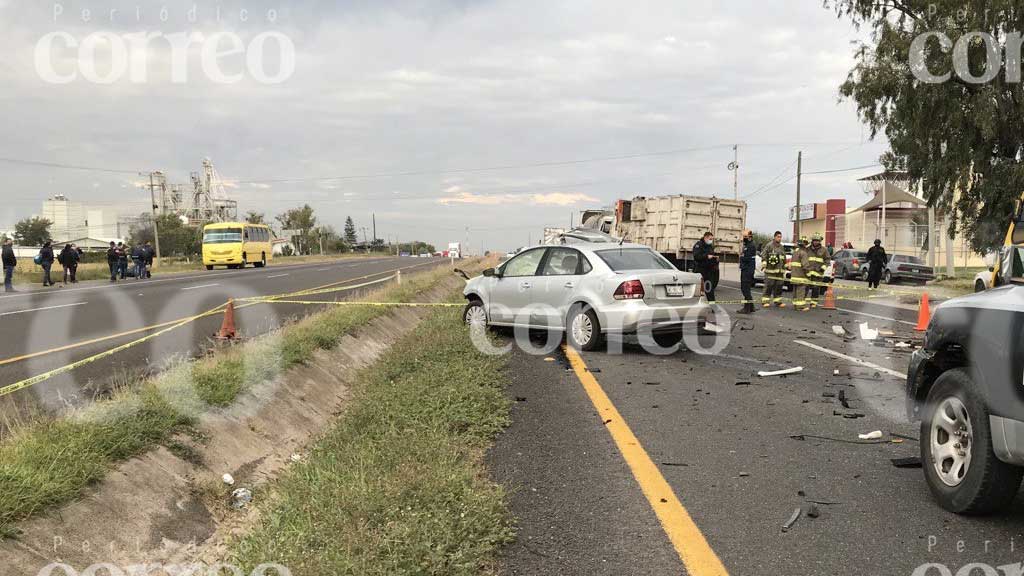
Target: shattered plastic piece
875,435
296,457
713,328
911,462
842,398
792,520
549,359
794,370
902,345
520,398
810,510
835,372
743,383
839,330
744,474
240,497
867,333
228,479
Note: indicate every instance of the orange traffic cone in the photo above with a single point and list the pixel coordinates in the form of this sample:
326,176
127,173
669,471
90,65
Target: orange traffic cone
830,299
227,327
924,314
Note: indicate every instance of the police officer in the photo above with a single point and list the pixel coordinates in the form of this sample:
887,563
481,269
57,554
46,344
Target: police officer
748,262
877,260
798,274
817,262
705,263
773,261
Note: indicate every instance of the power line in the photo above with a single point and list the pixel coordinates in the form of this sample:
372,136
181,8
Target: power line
875,165
67,166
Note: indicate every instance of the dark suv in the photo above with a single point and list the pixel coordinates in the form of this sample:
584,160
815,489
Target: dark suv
966,385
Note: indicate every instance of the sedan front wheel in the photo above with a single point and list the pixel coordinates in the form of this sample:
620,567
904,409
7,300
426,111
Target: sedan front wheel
583,330
474,314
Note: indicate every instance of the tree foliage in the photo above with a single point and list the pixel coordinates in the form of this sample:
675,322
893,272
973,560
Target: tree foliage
961,138
303,221
350,232
33,231
254,217
176,237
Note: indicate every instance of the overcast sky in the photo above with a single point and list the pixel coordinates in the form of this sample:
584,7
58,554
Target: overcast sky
577,103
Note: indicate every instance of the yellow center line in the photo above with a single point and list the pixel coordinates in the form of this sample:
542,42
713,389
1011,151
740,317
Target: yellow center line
686,537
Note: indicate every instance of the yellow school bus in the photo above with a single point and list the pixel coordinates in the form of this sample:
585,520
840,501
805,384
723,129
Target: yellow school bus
235,244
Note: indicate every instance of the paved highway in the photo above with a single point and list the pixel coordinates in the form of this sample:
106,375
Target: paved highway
45,329
737,454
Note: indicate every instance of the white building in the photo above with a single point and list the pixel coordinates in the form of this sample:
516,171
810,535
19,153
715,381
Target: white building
105,223
76,220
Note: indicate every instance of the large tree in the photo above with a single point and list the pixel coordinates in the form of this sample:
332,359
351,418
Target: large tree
350,232
33,231
302,221
946,99
176,237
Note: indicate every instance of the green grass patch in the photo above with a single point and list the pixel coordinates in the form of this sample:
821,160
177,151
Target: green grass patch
397,486
47,462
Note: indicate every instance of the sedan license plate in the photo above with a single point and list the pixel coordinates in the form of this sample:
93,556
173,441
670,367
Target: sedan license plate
674,289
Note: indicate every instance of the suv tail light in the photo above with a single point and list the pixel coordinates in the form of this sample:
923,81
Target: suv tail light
856,262
629,290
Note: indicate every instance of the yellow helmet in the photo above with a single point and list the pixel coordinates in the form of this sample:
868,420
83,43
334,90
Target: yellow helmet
803,239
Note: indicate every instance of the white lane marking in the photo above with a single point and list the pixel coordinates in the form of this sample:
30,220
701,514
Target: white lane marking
322,269
852,359
42,309
200,286
277,276
877,316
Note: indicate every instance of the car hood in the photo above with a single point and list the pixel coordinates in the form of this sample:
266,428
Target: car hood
1010,297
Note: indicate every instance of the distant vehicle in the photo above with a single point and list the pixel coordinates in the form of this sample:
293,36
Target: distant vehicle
910,268
671,225
964,385
455,250
789,247
551,235
850,263
404,254
589,290
236,244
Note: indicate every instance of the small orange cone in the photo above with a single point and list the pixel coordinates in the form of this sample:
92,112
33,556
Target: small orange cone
227,327
830,299
924,314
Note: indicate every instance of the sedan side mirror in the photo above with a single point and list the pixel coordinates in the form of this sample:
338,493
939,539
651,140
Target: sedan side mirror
490,273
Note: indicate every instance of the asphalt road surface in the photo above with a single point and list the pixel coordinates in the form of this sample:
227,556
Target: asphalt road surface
42,330
740,453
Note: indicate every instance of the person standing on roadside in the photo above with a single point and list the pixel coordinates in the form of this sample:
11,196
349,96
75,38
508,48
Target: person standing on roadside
138,260
818,261
63,258
122,260
10,261
150,254
748,263
705,263
798,274
112,261
46,261
773,260
877,260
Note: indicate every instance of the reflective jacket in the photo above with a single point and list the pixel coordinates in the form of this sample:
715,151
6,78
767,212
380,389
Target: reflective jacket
798,264
817,259
773,257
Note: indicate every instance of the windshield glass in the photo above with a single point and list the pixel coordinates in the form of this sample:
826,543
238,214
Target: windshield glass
633,259
222,236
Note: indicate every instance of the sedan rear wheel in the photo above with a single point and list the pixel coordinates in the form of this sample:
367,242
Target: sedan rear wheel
583,329
960,466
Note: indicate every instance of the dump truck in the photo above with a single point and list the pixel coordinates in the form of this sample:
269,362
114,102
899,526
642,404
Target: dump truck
671,225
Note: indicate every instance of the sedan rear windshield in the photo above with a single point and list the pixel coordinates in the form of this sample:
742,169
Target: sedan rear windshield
222,236
908,259
633,259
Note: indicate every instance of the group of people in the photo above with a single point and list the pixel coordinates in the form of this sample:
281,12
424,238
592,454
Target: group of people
141,257
69,258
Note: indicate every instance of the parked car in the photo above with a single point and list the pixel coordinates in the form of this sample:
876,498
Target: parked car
850,263
901,268
789,247
983,280
964,385
589,290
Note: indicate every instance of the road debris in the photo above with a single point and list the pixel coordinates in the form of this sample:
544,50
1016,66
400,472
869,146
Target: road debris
228,479
842,399
743,383
674,464
792,520
794,370
866,333
240,497
296,457
874,435
744,474
810,510
910,462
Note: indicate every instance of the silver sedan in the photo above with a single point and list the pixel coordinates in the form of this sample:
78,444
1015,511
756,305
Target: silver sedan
589,290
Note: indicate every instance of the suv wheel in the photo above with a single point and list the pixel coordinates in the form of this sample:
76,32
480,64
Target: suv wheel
960,467
583,331
864,274
474,314
888,277
979,286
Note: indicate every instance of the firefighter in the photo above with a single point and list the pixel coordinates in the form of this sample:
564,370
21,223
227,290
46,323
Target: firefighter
748,261
798,275
817,262
773,261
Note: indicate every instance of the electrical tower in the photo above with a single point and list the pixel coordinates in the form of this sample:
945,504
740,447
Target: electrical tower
209,199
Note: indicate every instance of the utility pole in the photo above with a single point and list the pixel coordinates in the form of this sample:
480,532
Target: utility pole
799,171
374,239
735,168
156,233
320,235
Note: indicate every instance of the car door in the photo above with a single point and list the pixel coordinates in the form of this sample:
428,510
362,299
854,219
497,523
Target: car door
561,271
516,286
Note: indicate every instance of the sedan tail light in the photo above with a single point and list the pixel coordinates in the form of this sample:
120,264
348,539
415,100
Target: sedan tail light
856,262
629,290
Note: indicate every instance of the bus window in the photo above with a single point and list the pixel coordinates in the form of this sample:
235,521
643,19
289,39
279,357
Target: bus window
222,236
